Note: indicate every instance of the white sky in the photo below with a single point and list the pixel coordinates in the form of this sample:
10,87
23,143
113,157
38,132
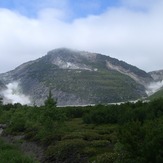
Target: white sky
132,31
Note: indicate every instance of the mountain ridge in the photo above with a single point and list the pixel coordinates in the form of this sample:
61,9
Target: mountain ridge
157,75
79,77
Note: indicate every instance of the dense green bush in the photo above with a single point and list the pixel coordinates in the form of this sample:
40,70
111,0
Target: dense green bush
17,122
106,158
101,115
10,154
100,143
70,151
131,132
76,112
142,142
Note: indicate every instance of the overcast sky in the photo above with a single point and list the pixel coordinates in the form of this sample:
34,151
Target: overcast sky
130,30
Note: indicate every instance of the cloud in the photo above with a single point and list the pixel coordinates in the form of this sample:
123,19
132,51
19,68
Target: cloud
154,87
132,35
13,94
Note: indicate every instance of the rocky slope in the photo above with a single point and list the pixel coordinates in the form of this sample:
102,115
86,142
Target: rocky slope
79,78
2,86
157,75
157,85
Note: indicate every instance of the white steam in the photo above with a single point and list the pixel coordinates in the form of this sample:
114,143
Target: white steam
14,95
154,87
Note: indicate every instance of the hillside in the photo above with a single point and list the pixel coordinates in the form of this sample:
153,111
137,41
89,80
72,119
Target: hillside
157,75
2,85
79,78
158,94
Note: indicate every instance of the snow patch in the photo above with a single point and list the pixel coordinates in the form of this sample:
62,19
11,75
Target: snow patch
69,65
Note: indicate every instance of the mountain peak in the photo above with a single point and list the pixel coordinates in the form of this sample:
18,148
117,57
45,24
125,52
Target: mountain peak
78,78
65,52
66,58
62,50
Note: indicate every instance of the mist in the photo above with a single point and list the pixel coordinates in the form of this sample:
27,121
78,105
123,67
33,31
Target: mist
154,87
13,94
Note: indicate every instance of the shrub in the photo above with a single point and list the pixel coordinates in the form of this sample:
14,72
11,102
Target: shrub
75,112
102,115
106,158
67,151
17,123
100,143
10,154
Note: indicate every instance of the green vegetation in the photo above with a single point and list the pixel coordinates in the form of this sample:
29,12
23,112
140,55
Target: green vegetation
158,94
11,154
91,82
92,86
126,133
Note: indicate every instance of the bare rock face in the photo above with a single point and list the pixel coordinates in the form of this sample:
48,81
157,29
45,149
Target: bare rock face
2,86
79,78
157,75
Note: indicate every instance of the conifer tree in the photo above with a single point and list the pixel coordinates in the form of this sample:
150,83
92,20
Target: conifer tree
50,102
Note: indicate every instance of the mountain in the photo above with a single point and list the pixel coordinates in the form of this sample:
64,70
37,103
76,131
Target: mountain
157,75
157,85
2,86
79,78
158,94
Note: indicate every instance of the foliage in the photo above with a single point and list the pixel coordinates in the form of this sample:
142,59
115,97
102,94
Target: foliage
106,158
10,154
69,151
101,114
156,95
50,102
76,112
125,133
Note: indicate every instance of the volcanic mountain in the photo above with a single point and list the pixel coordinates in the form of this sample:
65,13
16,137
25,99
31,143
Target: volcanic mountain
79,78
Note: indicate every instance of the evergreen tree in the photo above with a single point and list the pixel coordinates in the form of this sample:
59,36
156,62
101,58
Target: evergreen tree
50,102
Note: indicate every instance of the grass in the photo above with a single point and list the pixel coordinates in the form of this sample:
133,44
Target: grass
11,154
158,94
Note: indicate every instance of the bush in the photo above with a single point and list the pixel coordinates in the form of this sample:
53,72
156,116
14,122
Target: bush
17,123
106,158
73,135
102,115
100,143
75,112
66,151
10,154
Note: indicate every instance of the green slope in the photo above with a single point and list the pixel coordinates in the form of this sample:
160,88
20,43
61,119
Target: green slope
158,94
